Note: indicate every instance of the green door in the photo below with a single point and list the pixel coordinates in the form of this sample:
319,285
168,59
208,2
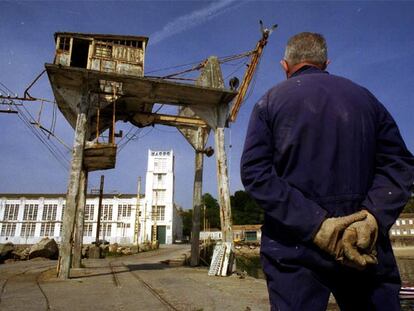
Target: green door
250,236
161,234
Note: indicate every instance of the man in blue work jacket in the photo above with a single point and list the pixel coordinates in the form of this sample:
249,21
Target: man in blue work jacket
326,162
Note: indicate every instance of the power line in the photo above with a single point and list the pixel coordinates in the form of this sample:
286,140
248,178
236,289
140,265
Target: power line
28,120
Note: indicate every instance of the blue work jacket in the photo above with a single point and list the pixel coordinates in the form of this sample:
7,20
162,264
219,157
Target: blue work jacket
320,146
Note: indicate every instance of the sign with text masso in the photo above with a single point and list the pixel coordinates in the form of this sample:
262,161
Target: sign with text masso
160,153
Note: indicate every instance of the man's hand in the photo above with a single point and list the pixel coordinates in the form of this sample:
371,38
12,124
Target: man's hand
358,243
329,236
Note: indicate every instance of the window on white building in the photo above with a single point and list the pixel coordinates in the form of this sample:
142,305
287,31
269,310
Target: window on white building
47,229
160,164
11,212
410,221
8,230
106,230
403,222
158,212
28,229
87,230
398,232
159,181
63,211
89,210
392,232
49,212
107,212
124,210
30,211
158,196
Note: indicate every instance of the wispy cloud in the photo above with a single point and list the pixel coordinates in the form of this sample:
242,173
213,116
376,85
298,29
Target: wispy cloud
192,19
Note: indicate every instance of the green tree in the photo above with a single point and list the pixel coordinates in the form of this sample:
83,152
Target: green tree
245,211
212,211
187,217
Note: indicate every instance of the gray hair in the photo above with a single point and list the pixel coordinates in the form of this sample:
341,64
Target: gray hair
306,47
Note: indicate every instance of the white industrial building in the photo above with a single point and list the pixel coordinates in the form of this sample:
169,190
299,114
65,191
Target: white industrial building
26,218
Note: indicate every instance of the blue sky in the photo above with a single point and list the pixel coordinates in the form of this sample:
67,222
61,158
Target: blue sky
369,42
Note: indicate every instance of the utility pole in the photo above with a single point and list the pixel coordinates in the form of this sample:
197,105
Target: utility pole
144,231
137,223
155,214
98,222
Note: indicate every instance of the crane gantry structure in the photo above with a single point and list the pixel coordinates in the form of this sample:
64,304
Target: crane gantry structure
98,80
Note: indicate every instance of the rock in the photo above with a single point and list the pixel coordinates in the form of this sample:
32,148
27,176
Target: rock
85,251
21,254
113,247
105,250
144,247
6,251
46,248
95,252
126,251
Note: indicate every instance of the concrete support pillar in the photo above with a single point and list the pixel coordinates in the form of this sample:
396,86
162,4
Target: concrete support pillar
197,199
80,217
69,219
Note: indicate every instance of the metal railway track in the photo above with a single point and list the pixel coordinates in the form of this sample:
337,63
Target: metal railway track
115,278
3,287
152,290
41,289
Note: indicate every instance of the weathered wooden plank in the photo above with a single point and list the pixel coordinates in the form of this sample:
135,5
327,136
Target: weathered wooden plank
99,156
223,185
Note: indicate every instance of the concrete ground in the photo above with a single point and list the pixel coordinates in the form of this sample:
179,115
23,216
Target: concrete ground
136,282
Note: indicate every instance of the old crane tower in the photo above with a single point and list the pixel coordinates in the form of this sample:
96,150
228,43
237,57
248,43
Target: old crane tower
98,80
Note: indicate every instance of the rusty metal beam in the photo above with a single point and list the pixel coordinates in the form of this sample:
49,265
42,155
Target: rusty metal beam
171,120
247,78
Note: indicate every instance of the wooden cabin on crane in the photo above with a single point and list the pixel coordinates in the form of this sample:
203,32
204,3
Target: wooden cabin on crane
102,53
107,53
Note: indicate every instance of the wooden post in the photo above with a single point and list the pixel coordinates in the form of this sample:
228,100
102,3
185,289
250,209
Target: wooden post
223,186
65,256
214,75
216,119
197,200
78,241
98,221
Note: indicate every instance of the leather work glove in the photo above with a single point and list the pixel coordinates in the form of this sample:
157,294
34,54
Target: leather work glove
358,243
329,236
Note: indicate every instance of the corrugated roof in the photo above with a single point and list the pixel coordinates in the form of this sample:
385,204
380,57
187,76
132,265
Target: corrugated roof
101,36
